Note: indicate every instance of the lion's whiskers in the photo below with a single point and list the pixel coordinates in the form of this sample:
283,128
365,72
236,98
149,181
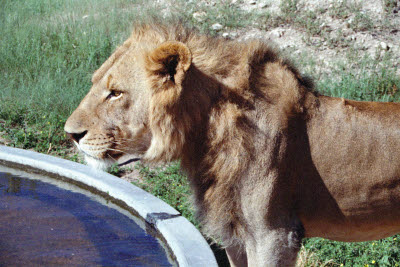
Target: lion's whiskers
135,140
126,151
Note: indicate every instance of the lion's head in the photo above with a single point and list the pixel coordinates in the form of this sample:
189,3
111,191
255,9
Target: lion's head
120,114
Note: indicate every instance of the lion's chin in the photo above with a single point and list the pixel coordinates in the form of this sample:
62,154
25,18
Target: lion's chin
101,164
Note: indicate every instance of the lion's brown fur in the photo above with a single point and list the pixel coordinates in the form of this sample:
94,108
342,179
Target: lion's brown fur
248,129
206,126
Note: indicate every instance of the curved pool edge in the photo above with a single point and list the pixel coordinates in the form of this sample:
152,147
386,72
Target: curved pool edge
187,244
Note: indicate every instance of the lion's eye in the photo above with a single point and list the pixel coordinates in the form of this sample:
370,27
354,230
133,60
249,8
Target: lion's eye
114,94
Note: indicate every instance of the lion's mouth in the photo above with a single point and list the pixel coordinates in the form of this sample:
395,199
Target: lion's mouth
104,151
104,162
105,154
97,153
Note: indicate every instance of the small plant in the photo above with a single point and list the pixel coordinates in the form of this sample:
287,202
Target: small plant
289,8
74,157
117,170
361,22
389,5
342,9
310,22
114,169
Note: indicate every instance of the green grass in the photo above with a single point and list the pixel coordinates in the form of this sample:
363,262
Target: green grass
385,252
50,48
381,86
169,184
374,80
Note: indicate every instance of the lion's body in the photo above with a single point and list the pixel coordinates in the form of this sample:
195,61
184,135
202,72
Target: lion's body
269,161
356,171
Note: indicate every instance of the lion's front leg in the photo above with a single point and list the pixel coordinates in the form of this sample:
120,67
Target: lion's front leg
237,256
277,247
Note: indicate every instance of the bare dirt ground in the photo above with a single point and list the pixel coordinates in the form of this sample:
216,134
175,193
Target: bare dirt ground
347,29
328,33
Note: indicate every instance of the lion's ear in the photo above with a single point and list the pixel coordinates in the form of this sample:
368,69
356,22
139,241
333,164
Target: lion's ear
166,67
169,62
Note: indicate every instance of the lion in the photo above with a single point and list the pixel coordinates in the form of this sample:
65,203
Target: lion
270,161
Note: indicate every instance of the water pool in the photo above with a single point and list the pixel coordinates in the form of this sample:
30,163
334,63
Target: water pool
47,222
37,183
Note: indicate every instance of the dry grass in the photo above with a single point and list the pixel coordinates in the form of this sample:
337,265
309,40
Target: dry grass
310,259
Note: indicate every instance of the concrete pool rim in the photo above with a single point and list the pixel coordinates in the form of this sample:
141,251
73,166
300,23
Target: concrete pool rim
188,246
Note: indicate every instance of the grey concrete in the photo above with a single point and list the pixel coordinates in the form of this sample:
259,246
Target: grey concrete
187,244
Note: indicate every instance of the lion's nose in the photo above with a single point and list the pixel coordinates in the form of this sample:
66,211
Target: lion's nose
77,136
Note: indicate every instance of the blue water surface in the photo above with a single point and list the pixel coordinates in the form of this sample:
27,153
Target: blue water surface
42,224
